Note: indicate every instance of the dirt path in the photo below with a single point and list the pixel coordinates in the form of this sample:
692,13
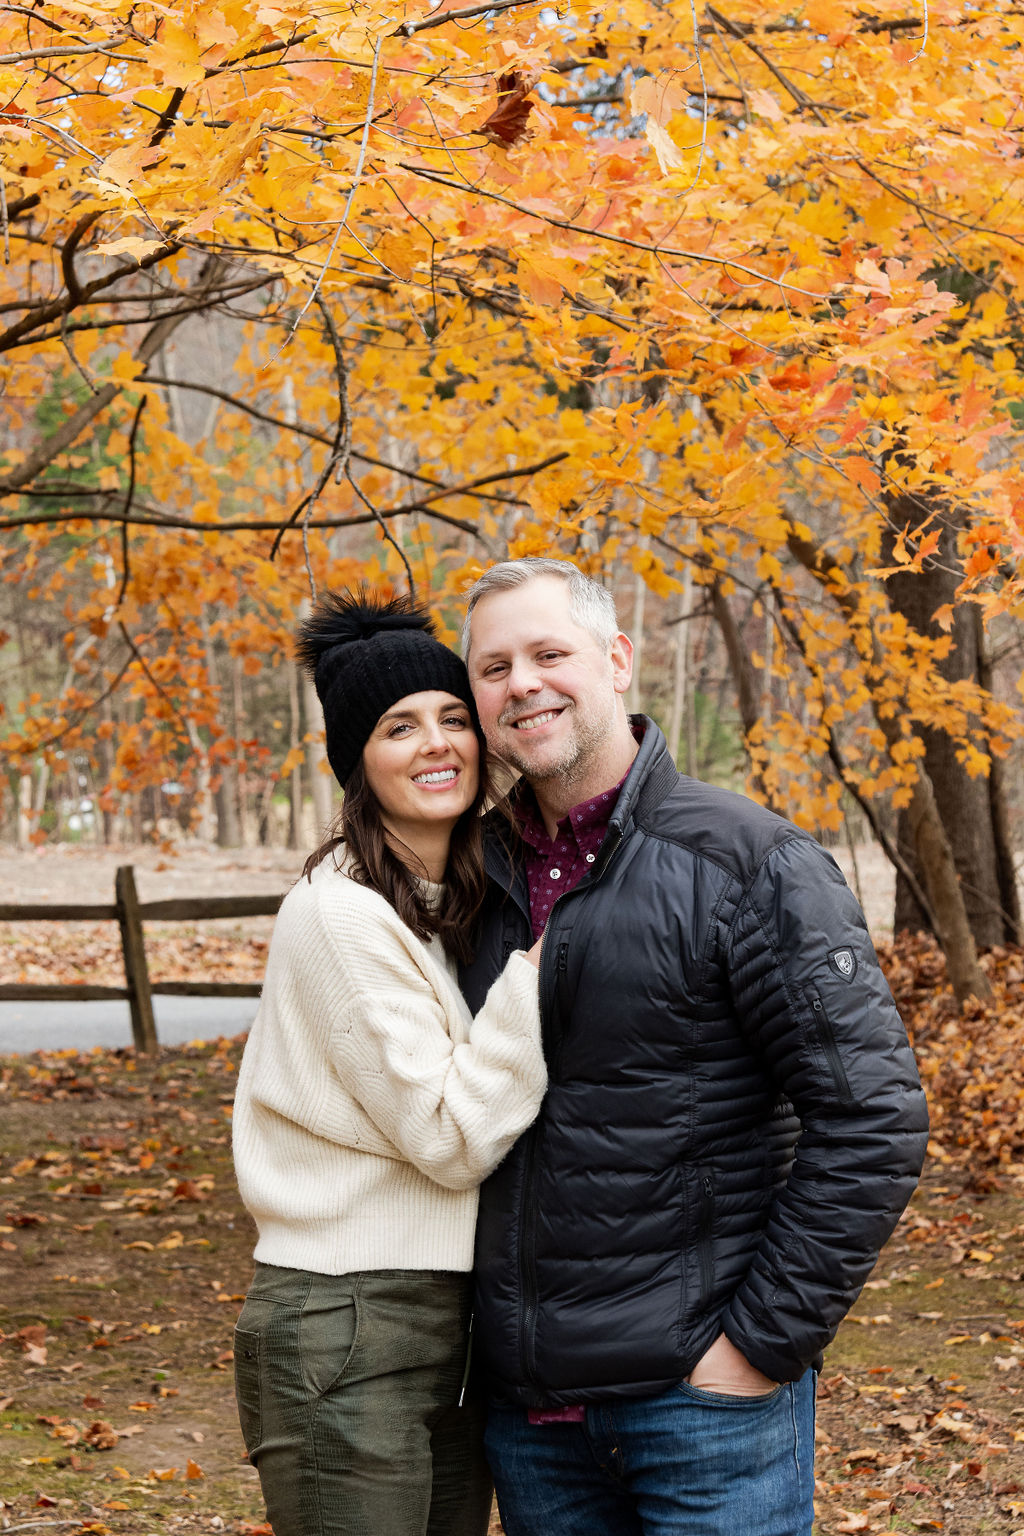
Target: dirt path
80,872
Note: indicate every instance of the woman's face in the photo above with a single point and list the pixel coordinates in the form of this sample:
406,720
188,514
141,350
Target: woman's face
422,762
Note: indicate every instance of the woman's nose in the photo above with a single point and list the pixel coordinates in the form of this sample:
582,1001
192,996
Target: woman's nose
434,739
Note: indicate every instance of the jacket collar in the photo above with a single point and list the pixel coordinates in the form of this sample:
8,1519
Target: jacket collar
649,780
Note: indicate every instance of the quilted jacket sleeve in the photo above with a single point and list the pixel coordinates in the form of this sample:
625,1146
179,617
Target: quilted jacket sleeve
808,989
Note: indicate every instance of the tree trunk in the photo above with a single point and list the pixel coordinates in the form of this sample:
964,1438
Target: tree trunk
972,810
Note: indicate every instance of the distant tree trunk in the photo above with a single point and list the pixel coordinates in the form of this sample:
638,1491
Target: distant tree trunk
680,711
634,696
972,811
25,809
744,675
106,750
294,738
321,782
238,731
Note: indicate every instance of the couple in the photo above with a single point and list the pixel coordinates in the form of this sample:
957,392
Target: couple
646,1013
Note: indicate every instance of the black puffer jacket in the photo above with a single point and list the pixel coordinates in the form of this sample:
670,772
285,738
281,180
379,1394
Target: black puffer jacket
734,1121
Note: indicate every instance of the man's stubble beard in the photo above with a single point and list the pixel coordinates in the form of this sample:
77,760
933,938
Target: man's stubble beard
576,758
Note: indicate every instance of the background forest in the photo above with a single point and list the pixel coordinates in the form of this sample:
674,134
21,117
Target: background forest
721,302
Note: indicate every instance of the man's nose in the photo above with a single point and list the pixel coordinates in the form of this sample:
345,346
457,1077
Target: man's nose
523,678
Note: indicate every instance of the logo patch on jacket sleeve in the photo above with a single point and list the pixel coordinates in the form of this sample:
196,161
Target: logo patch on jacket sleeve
843,962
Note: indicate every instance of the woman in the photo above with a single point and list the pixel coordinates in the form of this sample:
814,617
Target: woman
370,1105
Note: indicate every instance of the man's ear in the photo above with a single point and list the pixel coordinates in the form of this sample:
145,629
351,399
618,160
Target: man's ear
622,662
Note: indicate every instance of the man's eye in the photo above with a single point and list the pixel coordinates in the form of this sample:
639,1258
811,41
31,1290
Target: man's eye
550,656
495,671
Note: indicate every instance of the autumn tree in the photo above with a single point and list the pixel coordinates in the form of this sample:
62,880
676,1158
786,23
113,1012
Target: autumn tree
713,296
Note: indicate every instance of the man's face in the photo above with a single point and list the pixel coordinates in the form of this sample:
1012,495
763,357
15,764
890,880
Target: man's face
546,690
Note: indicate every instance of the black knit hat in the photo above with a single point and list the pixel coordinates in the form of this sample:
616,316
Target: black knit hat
365,653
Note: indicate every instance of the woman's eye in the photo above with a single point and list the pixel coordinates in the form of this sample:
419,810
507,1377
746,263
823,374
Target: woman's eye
400,729
457,722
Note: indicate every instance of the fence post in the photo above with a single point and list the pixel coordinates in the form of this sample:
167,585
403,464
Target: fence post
136,971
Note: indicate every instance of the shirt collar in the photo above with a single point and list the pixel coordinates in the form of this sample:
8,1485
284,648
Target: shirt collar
596,812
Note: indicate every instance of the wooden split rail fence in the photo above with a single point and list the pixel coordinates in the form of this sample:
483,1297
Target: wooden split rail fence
130,914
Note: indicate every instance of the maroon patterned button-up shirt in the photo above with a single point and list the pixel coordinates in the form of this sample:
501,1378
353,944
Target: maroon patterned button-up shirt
556,865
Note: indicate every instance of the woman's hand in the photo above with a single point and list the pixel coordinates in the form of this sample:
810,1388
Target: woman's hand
533,954
724,1369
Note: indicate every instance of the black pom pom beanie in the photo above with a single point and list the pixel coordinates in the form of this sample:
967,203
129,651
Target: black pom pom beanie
365,653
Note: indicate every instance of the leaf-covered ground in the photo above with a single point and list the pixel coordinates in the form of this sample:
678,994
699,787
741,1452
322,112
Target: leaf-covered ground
124,1254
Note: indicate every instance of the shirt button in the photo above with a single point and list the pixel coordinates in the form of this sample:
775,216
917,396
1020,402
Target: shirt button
556,874
591,857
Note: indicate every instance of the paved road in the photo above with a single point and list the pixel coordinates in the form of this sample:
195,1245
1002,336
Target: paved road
80,1026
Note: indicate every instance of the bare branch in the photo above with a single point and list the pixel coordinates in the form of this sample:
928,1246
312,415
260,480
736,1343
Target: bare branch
441,19
24,473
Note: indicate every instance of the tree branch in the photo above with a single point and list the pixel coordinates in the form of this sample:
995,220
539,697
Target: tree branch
441,19
66,434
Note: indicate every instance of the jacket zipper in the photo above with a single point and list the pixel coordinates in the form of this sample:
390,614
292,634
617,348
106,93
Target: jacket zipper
826,1034
528,1234
705,1227
528,1225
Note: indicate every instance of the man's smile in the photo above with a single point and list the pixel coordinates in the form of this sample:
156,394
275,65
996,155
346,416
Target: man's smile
531,722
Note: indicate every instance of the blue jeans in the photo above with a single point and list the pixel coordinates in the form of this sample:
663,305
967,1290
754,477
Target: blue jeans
686,1461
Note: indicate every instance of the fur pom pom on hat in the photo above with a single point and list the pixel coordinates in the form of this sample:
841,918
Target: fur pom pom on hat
366,652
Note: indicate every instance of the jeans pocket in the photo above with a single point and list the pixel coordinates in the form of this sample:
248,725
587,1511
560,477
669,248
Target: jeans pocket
730,1399
247,1387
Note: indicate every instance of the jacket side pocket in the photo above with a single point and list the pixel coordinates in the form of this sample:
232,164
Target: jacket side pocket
247,1388
827,1040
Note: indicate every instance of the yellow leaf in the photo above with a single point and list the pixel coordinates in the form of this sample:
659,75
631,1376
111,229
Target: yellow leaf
765,105
670,156
539,276
658,95
126,163
131,245
176,57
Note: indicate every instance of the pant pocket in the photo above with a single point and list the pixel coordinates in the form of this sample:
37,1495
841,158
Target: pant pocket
731,1399
329,1327
247,1387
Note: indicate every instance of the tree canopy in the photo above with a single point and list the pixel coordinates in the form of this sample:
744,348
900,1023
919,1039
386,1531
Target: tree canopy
731,290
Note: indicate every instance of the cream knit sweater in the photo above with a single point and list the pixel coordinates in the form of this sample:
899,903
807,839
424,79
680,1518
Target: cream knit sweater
370,1103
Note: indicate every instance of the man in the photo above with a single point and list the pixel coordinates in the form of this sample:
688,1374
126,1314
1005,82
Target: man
733,1121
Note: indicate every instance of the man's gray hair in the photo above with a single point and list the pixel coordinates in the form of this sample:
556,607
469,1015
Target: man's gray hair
591,606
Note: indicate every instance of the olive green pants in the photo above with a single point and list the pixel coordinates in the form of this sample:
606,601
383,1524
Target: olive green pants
348,1391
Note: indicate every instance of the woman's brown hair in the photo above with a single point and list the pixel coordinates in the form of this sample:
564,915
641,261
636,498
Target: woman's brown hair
374,863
